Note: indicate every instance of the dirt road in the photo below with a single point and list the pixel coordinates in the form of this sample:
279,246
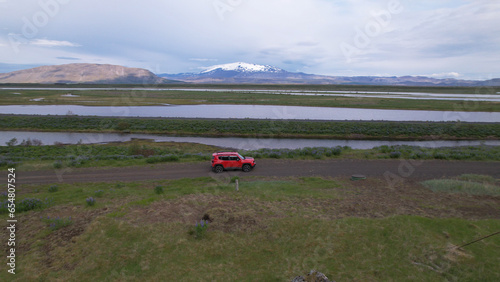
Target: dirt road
395,169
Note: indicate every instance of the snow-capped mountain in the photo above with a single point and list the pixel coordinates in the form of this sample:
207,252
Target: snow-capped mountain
238,72
243,67
245,73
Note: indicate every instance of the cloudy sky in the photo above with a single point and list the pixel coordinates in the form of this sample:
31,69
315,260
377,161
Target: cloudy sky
440,38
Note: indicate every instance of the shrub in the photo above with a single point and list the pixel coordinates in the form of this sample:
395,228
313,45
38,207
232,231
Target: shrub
78,161
275,155
29,142
53,189
133,148
37,142
384,149
395,155
440,156
90,201
123,125
58,164
159,190
57,223
337,151
164,158
200,229
29,204
11,142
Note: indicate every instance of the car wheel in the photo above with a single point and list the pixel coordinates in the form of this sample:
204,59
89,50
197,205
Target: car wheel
246,168
218,169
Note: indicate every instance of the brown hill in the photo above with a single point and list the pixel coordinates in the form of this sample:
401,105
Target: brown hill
83,73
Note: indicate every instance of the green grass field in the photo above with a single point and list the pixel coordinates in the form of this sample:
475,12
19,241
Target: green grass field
271,230
258,128
468,184
138,97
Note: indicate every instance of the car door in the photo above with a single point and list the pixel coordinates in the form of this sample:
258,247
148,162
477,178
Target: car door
235,162
225,161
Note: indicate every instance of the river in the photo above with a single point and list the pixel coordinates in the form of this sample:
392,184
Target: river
253,112
49,138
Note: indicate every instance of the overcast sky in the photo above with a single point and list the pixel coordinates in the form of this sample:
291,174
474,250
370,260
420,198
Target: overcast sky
440,38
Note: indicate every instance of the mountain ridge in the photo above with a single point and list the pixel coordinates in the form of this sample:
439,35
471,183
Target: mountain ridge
84,74
244,73
232,73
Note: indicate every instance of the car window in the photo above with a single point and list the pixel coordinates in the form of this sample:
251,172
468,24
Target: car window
233,158
224,158
241,157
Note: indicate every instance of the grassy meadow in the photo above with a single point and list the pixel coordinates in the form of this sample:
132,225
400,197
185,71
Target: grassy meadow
271,230
138,96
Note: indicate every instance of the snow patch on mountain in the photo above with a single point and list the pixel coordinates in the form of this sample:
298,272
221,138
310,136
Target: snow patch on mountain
243,67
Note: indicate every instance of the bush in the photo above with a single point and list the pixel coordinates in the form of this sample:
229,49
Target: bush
57,223
122,125
53,189
90,201
58,165
164,158
159,190
384,149
78,161
27,204
395,155
29,142
200,229
337,151
134,148
11,142
440,156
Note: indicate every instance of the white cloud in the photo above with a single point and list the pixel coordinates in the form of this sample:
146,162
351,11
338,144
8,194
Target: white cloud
426,37
203,60
52,43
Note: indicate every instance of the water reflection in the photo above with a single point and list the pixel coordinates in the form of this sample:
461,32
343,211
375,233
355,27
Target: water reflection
49,138
254,112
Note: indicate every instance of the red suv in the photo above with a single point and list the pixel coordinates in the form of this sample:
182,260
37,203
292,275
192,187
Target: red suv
231,160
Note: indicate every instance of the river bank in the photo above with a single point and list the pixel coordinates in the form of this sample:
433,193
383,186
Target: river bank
348,130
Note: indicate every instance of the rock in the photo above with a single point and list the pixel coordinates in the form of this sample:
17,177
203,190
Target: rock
313,276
